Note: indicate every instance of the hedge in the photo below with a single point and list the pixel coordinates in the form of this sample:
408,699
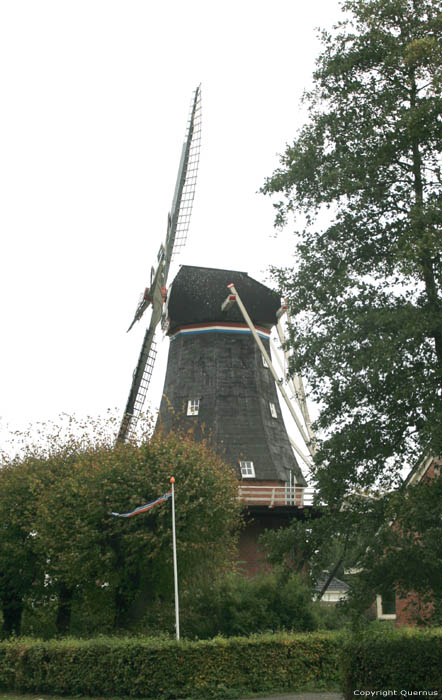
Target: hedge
158,669
401,663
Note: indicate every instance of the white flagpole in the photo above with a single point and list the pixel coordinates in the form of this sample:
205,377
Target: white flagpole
175,567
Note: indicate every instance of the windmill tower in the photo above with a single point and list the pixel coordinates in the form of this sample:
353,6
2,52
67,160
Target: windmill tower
220,382
219,386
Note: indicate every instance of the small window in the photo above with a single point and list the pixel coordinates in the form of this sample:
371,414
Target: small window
247,469
388,602
273,410
386,606
264,362
193,407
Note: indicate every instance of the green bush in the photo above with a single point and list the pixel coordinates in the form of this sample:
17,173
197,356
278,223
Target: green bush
92,614
385,659
168,669
234,605
330,616
231,605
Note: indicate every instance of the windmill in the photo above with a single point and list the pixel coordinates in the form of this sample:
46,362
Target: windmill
220,381
155,295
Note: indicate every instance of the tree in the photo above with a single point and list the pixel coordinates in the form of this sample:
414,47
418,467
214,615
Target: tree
363,179
406,554
234,605
330,540
20,568
365,295
81,555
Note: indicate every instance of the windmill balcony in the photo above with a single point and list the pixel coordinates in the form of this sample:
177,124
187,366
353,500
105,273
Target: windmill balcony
275,495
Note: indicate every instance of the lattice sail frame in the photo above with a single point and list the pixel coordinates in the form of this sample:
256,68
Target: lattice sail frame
176,237
189,186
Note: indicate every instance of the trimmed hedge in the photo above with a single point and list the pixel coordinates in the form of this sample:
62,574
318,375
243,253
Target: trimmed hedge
169,669
393,662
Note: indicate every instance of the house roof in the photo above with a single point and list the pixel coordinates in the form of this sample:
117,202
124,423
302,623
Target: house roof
420,469
335,585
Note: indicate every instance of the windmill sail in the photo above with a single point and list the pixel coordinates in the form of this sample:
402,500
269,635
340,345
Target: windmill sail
141,380
181,211
177,228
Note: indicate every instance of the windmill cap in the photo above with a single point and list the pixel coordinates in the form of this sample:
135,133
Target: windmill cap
197,294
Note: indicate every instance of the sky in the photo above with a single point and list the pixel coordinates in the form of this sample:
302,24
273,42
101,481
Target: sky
95,101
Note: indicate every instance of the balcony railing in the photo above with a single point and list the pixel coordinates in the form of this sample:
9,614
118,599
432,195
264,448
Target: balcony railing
273,496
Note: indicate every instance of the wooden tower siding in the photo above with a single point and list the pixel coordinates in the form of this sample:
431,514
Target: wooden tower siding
214,359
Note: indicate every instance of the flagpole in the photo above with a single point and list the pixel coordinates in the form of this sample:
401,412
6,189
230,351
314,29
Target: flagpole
175,567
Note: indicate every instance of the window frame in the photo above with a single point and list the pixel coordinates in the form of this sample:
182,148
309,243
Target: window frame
193,407
247,464
380,613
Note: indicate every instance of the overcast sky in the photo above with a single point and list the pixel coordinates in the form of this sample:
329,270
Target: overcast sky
95,100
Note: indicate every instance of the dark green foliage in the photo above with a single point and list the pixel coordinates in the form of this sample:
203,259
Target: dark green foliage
233,605
62,553
387,659
20,565
406,554
366,293
363,180
393,541
338,540
330,616
168,669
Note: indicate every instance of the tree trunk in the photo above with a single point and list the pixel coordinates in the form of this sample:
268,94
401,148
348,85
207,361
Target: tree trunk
121,606
434,303
64,611
335,568
12,609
